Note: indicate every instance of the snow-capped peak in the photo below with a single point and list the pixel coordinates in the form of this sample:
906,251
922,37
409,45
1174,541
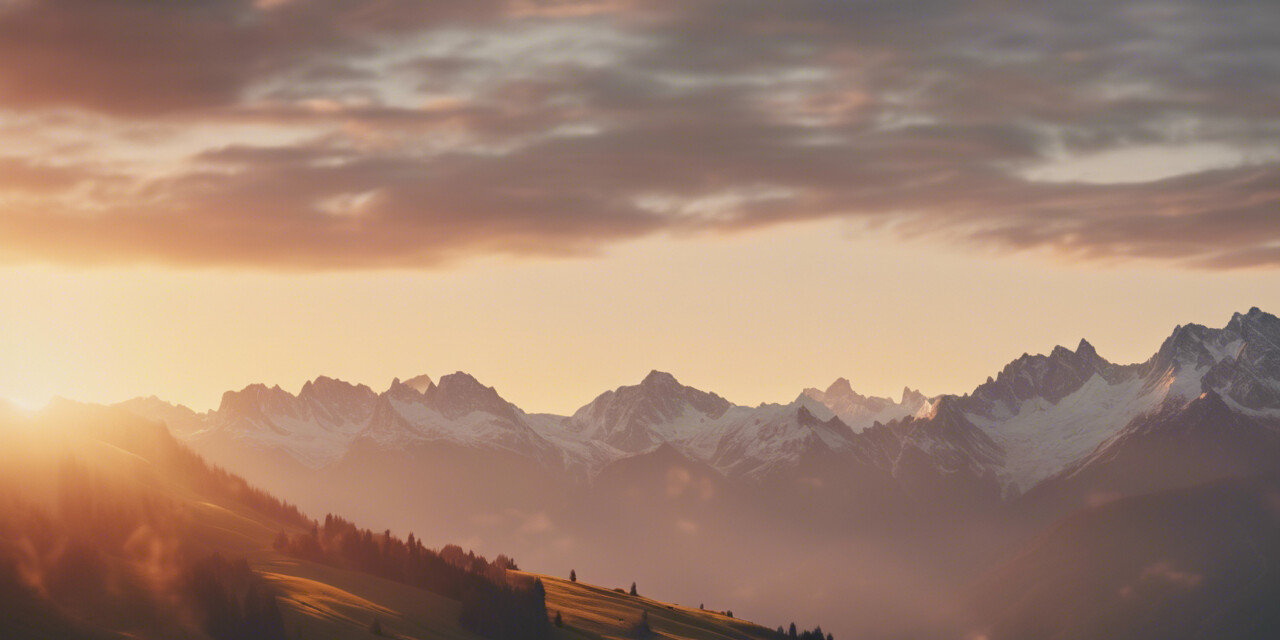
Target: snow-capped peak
859,411
1038,415
459,394
659,409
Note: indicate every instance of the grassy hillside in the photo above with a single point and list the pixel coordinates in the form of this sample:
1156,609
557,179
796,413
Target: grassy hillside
121,469
320,601
590,611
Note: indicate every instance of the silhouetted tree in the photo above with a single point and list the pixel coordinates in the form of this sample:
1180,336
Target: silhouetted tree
815,634
633,588
573,576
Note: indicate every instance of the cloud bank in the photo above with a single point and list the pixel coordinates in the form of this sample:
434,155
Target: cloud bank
320,134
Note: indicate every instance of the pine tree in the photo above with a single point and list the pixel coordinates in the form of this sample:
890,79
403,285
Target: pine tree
633,589
573,576
792,632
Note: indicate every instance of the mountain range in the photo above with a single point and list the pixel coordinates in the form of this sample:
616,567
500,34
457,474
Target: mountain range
1038,417
879,500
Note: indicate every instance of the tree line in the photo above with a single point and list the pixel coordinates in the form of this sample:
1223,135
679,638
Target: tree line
494,604
815,634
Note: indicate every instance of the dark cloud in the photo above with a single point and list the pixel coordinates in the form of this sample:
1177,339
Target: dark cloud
336,135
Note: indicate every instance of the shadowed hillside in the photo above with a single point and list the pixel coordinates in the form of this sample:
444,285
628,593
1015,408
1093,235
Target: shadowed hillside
1189,563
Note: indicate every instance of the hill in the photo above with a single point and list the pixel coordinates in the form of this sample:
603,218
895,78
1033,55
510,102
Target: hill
111,528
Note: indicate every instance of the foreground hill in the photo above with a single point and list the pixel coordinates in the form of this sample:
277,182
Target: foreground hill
110,528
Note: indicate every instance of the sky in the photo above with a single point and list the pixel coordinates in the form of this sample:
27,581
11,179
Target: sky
558,196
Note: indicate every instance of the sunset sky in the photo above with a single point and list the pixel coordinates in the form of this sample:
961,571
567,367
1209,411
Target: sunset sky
558,196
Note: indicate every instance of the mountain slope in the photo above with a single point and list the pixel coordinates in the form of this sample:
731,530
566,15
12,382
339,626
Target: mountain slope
1046,414
639,417
1178,446
81,475
1193,563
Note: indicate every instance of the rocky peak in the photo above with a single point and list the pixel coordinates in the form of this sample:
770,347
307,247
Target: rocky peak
660,380
1086,350
1254,315
633,418
1197,347
420,383
334,402
912,399
329,389
1247,369
840,388
256,399
403,392
1185,345
459,394
1256,327
1051,377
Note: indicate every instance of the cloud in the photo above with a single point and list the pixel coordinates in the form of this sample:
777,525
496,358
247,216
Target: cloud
23,176
314,134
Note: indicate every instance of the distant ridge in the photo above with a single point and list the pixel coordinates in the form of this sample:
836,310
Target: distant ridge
1038,416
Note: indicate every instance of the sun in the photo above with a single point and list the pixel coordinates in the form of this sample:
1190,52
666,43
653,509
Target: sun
27,404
